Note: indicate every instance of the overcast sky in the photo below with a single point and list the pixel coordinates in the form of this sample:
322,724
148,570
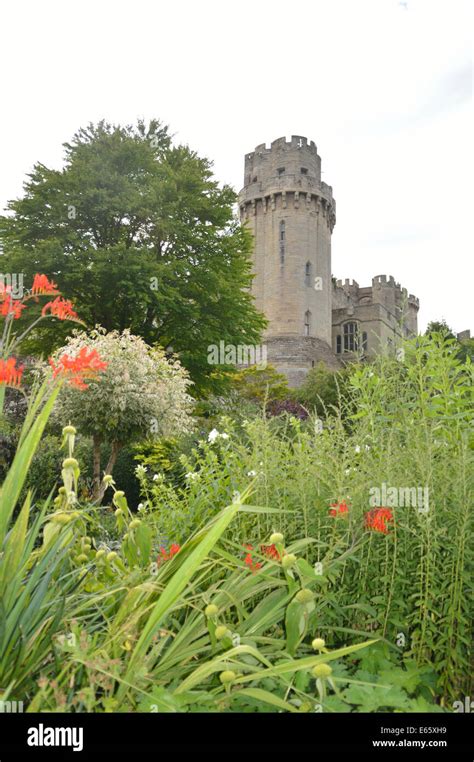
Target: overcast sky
383,87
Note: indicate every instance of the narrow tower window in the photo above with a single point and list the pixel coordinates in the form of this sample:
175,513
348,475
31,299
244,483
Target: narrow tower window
281,170
364,341
307,323
282,241
304,170
307,274
350,337
338,344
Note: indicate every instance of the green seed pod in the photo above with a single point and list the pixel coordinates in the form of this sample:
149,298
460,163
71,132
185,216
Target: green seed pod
70,463
118,512
304,595
221,631
100,554
227,677
119,493
62,518
81,558
62,491
134,524
86,547
322,671
108,479
211,610
276,538
288,561
111,556
69,430
318,644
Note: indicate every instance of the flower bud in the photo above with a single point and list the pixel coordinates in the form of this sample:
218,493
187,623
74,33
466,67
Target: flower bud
322,671
108,479
288,561
276,538
221,631
70,463
304,595
134,524
111,556
118,512
318,644
81,558
119,493
69,430
100,554
227,677
62,491
211,610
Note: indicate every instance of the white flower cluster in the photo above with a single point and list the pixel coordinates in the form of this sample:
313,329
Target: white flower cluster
214,434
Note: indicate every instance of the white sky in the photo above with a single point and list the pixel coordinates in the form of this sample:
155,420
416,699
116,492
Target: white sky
382,87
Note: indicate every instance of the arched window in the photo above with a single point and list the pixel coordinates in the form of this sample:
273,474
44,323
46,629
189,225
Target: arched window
350,337
307,274
282,241
307,323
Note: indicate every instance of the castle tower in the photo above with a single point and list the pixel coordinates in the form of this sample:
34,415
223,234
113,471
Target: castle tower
291,214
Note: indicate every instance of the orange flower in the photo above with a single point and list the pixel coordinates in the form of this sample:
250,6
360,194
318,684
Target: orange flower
377,519
42,285
11,306
85,365
253,566
339,508
174,548
10,374
270,551
60,308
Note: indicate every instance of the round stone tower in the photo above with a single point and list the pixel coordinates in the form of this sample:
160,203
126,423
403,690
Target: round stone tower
291,214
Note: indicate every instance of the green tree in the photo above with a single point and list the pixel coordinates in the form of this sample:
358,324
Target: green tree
139,235
323,388
140,395
260,385
439,326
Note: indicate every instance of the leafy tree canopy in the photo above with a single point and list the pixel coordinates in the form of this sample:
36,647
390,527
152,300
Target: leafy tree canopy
139,235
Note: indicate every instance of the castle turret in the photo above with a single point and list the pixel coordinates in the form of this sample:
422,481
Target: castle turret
291,214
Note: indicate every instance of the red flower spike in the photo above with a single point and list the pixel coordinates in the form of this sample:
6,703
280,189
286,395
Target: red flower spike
42,285
248,561
85,365
338,509
10,374
377,519
270,551
165,556
11,306
60,308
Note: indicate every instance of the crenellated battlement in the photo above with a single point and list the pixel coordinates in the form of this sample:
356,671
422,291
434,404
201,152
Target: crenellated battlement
386,281
296,158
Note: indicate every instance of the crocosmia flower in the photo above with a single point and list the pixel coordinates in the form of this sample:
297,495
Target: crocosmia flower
377,519
10,373
338,509
76,370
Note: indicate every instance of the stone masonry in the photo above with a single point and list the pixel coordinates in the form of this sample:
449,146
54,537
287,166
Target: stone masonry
291,213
